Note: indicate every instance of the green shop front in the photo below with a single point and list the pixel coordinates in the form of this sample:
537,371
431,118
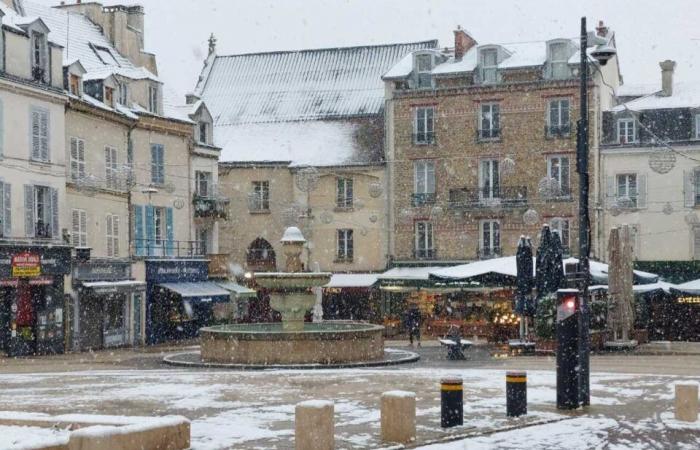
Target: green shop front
32,298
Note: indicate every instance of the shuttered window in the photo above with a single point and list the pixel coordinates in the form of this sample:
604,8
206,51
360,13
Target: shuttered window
77,159
157,164
112,231
40,134
111,171
696,243
5,210
79,229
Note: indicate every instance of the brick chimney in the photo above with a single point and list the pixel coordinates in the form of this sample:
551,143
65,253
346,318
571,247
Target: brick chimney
601,29
463,42
667,68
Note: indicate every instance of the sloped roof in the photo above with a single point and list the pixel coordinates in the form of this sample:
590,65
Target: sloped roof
685,95
300,85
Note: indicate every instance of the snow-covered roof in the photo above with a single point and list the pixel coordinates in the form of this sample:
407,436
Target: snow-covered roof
409,273
640,288
306,143
638,90
300,85
685,95
134,73
352,280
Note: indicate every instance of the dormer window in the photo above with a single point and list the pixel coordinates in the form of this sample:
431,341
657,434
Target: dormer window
559,54
74,84
153,99
39,57
489,65
123,98
203,132
424,67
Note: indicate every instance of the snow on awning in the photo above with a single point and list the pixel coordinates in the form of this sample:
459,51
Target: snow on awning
205,291
500,266
237,289
107,287
352,280
641,288
408,273
690,287
599,272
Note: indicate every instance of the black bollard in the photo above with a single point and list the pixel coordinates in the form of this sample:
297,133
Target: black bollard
568,341
452,402
516,394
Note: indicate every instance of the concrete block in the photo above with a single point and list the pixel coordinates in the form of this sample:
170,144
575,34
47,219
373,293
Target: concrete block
687,402
314,427
398,416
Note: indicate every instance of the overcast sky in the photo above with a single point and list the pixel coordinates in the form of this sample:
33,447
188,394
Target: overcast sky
647,31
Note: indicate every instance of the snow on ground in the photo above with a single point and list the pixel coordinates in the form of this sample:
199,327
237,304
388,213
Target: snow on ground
256,409
17,438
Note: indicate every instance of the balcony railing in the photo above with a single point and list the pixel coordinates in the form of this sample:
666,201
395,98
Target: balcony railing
207,206
161,248
557,130
42,230
474,198
488,134
489,252
423,199
39,74
425,138
425,253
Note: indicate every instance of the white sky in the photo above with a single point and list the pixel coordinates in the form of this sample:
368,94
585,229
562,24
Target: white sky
648,31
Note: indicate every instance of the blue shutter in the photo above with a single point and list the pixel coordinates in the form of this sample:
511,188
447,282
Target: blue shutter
138,230
29,229
54,213
169,229
150,230
7,204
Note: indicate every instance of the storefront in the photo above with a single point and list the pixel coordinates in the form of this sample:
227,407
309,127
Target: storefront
180,299
107,305
32,297
351,297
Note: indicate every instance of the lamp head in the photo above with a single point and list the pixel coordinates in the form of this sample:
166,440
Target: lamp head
603,53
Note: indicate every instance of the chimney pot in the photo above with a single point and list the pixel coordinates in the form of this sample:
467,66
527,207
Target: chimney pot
601,29
667,69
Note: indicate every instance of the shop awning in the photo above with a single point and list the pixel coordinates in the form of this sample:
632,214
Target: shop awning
504,267
641,288
109,287
689,288
237,289
204,291
599,272
352,280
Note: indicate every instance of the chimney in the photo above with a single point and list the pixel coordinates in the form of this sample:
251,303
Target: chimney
463,42
191,98
601,29
667,68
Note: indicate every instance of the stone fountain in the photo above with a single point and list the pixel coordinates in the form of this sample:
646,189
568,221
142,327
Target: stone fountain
293,341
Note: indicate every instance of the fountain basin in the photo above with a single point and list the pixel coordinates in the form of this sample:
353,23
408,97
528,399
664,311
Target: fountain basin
330,342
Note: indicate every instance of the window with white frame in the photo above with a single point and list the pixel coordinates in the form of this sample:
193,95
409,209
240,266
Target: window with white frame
344,192
40,58
43,212
558,168
558,122
490,242
79,230
424,247
627,192
489,65
203,132
204,182
111,170
153,99
112,234
159,224
424,66
490,121
260,196
204,240
561,227
40,134
626,131
123,93
77,159
424,125
345,245
559,60
489,179
424,182
5,209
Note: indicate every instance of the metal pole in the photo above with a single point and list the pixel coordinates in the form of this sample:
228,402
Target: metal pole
584,221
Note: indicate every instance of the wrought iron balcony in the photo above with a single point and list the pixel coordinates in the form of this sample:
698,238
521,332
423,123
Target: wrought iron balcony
39,74
423,199
206,206
501,196
424,138
553,131
488,134
489,252
425,253
162,248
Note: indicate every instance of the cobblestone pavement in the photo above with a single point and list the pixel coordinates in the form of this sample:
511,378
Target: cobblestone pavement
631,404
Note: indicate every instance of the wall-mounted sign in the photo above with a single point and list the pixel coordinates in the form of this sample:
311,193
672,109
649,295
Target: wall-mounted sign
26,264
689,300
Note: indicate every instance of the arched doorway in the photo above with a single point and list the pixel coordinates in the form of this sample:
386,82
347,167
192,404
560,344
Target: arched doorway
261,256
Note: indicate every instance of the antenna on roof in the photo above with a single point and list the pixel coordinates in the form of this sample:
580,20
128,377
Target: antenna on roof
212,44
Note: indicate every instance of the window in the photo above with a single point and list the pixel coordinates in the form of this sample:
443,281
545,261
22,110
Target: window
558,168
74,84
559,60
77,159
489,183
696,186
490,121
153,99
345,245
203,132
203,182
490,238
2,123
697,126
40,134
111,171
39,57
558,118
123,93
109,96
489,65
105,55
159,221
79,234
112,234
260,197
5,210
424,126
344,194
561,227
627,192
424,240
626,131
203,240
696,243
157,164
424,182
424,65
43,215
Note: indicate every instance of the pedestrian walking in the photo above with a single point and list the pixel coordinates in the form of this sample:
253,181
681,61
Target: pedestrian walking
413,321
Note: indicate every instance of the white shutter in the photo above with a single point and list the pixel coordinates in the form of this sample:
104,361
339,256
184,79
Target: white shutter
75,238
36,134
430,175
115,235
54,213
81,158
610,191
44,130
641,190
110,250
689,188
7,205
29,219
696,243
2,121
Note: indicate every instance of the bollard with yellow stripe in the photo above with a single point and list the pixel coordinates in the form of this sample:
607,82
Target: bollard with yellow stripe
451,402
516,393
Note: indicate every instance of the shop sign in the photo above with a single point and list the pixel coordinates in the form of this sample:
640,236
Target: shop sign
689,300
102,271
177,271
26,264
